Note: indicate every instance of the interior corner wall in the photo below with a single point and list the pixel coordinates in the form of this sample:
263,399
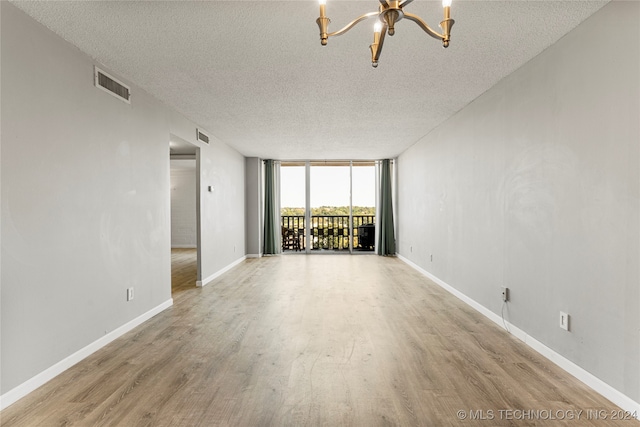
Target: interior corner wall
253,215
535,186
183,204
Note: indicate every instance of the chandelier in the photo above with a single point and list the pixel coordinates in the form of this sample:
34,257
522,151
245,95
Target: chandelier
389,12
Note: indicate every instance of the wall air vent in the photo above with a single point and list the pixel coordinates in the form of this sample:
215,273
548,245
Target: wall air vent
201,136
110,85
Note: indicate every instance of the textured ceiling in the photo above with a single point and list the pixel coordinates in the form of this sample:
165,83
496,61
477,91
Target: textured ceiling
254,75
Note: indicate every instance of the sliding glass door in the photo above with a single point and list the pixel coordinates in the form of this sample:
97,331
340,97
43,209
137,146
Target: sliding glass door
363,178
330,199
328,207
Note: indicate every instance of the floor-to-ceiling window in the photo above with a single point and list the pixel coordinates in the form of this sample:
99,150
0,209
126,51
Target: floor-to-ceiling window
293,205
327,206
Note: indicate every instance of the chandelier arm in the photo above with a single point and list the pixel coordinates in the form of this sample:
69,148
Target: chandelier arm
404,3
351,24
423,25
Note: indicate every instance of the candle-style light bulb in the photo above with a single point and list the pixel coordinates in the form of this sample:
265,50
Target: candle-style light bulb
323,23
375,46
447,23
322,7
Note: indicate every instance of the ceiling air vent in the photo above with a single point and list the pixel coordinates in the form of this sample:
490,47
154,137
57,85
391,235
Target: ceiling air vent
202,136
110,85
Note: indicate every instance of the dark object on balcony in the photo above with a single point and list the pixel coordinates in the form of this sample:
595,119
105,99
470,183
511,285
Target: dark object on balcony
290,239
366,236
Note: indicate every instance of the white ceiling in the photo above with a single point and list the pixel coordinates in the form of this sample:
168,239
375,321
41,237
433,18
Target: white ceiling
254,75
180,147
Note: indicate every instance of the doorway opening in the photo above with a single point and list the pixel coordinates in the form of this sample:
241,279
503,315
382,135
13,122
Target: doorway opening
185,222
328,206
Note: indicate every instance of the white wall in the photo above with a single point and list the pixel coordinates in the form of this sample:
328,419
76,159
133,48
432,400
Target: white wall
85,199
535,186
183,204
223,237
84,202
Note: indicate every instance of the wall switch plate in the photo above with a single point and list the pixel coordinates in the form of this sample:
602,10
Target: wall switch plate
129,294
505,294
564,321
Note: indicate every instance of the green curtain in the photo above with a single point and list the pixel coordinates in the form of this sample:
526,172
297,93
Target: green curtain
271,217
386,237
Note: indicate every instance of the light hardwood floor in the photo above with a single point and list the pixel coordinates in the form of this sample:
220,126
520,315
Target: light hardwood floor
183,272
312,340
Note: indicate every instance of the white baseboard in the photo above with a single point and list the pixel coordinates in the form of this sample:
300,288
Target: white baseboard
43,377
254,255
184,247
615,396
201,283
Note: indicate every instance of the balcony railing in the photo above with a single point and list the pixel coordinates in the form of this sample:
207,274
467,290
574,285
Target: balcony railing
328,232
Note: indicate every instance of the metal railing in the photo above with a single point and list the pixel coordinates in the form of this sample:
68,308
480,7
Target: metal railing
328,232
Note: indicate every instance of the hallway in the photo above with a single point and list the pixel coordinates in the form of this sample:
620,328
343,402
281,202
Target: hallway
184,270
312,340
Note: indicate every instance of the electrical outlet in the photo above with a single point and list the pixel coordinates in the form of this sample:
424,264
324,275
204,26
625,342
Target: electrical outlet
129,294
564,321
505,294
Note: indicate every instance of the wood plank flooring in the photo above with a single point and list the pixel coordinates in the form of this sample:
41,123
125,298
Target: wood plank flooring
183,271
313,341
